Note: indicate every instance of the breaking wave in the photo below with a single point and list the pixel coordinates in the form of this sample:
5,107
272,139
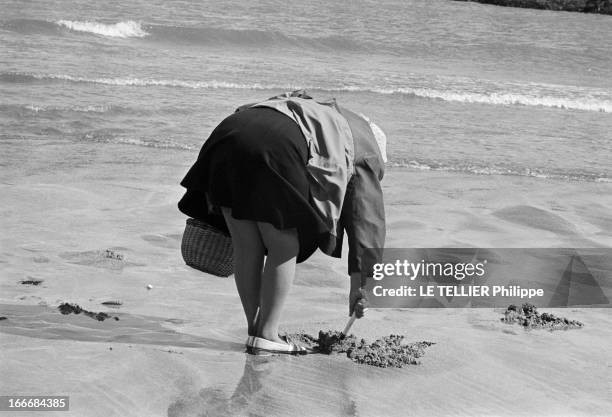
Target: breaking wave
182,34
572,101
125,29
137,82
502,98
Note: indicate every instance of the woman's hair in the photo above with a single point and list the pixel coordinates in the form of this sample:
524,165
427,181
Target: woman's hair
381,138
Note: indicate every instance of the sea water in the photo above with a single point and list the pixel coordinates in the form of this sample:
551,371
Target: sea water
458,87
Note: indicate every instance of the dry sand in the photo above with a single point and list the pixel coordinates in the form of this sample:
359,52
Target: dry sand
177,348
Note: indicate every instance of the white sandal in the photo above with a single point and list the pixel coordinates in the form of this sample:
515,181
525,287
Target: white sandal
260,345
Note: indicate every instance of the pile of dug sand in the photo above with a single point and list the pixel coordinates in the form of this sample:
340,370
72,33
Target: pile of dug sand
528,316
386,352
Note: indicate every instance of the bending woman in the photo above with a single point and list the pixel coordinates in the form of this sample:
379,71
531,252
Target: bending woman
284,177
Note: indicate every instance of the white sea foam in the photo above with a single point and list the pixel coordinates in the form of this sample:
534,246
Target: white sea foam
144,82
148,143
575,103
507,171
500,98
161,144
125,29
572,100
81,109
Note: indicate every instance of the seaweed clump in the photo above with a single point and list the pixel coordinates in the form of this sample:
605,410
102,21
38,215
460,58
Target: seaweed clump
110,254
31,281
528,317
66,308
114,303
389,351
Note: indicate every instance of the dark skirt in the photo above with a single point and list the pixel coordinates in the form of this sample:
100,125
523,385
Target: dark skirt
254,162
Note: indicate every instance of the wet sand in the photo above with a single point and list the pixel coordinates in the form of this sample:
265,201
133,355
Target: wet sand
177,348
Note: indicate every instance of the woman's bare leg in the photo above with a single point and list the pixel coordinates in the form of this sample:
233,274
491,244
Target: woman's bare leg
277,278
248,265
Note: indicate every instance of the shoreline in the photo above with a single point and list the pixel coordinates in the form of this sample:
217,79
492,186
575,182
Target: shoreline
581,6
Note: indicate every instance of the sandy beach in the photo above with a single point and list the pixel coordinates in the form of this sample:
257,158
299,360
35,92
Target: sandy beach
498,122
177,348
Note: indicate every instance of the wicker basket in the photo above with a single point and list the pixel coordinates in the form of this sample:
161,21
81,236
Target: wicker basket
207,248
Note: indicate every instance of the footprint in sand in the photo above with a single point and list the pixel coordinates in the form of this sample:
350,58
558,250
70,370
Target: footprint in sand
164,241
105,258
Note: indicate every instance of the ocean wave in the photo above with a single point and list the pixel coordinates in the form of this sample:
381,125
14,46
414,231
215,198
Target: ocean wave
572,101
459,168
248,37
50,111
78,109
505,98
30,26
124,29
470,169
504,170
183,35
101,137
496,98
17,77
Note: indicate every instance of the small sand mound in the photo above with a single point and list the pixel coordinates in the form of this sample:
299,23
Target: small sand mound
66,308
386,352
528,316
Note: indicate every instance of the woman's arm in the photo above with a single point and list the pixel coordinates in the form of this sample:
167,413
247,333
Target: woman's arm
358,301
363,218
